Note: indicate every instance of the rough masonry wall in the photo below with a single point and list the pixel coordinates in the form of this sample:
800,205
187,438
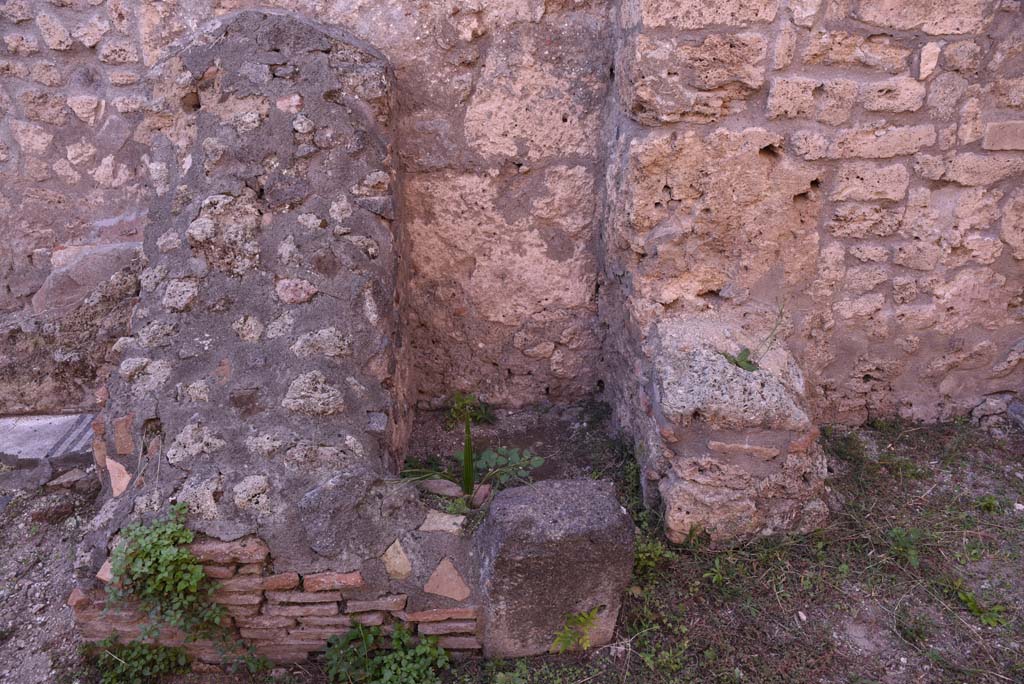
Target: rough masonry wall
262,382
846,173
261,368
835,186
501,113
506,133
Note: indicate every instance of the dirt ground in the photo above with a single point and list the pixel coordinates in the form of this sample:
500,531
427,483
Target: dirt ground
918,578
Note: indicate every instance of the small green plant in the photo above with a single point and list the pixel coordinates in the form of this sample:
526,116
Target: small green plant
137,663
520,675
990,616
409,663
456,506
155,566
750,360
742,360
990,503
575,633
651,553
349,656
360,656
498,466
465,410
718,574
904,545
504,465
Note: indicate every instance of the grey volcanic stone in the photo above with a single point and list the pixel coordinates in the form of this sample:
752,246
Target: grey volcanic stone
546,551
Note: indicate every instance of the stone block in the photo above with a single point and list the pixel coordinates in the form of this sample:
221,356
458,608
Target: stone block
982,169
303,596
385,603
447,627
934,17
668,80
731,450
697,14
574,530
332,581
1004,135
865,182
301,610
839,48
247,550
901,94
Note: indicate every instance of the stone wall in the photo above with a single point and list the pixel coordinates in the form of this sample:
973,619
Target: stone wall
283,616
903,117
501,160
260,266
833,185
265,382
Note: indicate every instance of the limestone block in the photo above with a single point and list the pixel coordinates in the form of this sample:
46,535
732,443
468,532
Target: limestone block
902,94
1004,135
839,48
574,530
696,14
54,34
983,169
880,142
681,190
828,101
934,17
863,181
525,104
1009,92
736,454
225,232
668,80
1012,225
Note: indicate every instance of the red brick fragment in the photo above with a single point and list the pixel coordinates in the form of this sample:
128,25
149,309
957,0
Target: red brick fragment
332,581
309,609
241,583
396,602
448,627
124,443
281,582
78,599
272,633
265,621
219,571
368,619
230,598
459,643
437,614
246,550
303,596
326,621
